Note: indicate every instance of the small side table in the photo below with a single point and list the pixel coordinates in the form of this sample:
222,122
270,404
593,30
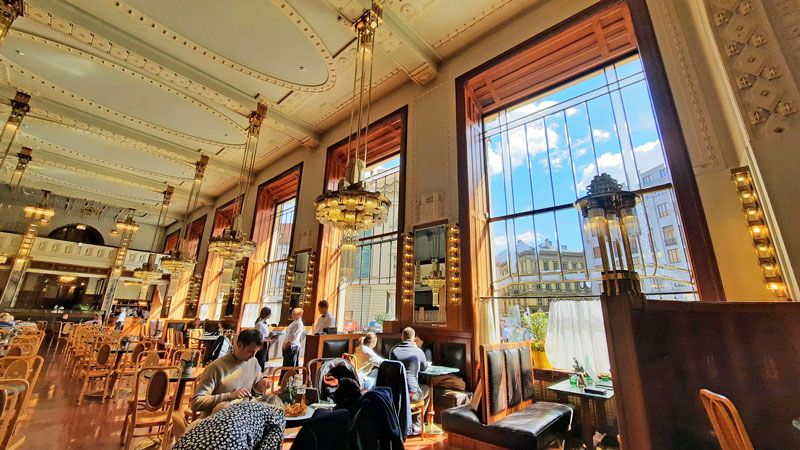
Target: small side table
564,390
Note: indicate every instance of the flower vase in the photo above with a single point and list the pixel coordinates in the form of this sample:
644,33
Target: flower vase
581,380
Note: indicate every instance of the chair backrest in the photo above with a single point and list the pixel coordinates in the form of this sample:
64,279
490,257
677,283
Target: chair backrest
155,390
103,356
16,368
14,350
352,358
41,324
187,354
507,372
13,396
148,358
137,350
727,423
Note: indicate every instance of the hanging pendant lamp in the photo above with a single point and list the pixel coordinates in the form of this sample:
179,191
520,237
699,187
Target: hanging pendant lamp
179,260
149,272
234,245
352,208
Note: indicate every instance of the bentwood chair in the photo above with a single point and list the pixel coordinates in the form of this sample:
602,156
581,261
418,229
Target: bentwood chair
727,423
128,366
100,368
61,332
152,404
13,393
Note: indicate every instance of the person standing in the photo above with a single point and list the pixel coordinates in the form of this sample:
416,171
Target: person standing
121,319
262,325
326,320
294,333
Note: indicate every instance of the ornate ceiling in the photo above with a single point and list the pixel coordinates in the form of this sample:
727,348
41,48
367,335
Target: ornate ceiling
126,95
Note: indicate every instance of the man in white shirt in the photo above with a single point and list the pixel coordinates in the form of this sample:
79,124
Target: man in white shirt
326,320
120,319
294,333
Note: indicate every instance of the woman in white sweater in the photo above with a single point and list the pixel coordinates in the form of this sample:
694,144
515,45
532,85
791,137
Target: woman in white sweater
368,360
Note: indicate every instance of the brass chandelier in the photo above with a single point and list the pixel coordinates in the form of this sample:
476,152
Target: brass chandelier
149,272
352,208
234,245
179,260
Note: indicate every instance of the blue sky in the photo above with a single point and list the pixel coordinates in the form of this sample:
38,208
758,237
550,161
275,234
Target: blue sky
544,152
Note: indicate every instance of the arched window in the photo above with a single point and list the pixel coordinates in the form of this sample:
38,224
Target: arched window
76,232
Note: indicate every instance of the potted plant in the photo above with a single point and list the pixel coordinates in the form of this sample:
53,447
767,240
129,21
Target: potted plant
536,324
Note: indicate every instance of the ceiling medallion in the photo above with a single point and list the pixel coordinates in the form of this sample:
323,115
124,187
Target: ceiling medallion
179,260
233,245
352,208
149,272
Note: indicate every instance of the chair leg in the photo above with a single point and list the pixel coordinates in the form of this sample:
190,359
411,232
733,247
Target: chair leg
83,390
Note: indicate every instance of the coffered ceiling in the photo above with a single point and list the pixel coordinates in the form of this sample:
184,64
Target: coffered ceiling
126,95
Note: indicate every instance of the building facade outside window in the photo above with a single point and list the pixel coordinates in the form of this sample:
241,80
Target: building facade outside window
542,153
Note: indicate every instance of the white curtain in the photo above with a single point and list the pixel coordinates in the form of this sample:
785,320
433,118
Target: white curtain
575,330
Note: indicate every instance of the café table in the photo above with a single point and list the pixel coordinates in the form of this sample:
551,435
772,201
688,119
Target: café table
565,389
182,379
432,372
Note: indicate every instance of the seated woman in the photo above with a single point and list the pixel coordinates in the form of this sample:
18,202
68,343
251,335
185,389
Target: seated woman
368,360
249,425
7,320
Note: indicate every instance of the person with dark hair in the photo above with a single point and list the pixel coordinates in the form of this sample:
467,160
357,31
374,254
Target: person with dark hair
262,325
235,375
326,320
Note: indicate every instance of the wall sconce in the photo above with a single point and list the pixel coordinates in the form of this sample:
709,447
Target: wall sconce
408,268
759,231
308,289
287,289
453,265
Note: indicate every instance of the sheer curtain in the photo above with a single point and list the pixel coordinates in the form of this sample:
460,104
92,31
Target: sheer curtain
575,329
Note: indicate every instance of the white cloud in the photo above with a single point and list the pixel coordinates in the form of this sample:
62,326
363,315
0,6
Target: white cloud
572,111
532,107
580,152
586,176
499,241
600,136
647,147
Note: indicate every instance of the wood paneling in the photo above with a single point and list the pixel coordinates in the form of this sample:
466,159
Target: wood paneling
586,45
747,352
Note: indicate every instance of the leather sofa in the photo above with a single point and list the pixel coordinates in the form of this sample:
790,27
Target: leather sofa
507,416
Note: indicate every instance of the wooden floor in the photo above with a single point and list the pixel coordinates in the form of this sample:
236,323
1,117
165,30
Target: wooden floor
54,420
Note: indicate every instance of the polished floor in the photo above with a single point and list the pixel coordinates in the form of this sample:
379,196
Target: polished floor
53,418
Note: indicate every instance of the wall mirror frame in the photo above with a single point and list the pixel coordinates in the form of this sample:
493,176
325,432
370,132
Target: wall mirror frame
299,284
429,266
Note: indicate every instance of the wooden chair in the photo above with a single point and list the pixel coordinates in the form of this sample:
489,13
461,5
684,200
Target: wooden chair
61,332
352,358
41,325
13,393
418,409
128,365
727,423
19,349
185,354
151,406
25,368
101,367
285,374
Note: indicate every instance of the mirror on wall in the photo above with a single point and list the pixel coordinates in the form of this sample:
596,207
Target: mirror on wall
430,287
299,282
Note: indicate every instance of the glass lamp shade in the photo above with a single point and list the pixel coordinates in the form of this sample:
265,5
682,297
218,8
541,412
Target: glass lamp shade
631,222
348,255
148,273
39,213
177,261
595,222
231,246
352,208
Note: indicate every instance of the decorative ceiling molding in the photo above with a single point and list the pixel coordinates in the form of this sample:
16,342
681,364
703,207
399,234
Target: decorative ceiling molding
397,34
111,112
74,119
344,103
58,156
493,8
38,181
152,60
167,33
115,50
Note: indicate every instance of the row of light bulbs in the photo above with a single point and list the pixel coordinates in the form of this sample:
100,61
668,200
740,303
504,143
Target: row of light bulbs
453,265
759,231
408,269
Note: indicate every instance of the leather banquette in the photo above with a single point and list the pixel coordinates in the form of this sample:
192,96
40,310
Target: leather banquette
507,416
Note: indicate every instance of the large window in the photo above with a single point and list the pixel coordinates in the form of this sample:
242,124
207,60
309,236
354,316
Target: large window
273,230
371,293
274,265
542,153
216,281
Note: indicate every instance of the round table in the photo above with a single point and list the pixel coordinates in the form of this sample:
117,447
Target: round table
435,371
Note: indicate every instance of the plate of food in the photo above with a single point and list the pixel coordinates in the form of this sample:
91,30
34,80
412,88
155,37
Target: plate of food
298,411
